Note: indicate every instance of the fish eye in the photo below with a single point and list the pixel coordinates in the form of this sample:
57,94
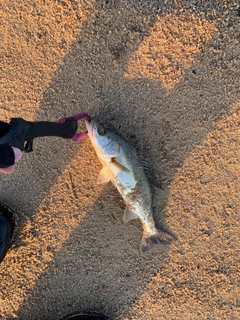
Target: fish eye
101,131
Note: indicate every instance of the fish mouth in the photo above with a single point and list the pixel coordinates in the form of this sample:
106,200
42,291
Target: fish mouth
89,126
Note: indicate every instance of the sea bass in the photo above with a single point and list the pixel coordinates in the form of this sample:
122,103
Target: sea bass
123,168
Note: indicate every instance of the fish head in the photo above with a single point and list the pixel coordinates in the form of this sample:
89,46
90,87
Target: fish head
102,139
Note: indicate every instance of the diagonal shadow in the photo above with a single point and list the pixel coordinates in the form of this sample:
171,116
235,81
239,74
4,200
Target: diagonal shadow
99,266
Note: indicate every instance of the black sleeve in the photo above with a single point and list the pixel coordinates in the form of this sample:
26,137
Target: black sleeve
7,156
6,152
4,127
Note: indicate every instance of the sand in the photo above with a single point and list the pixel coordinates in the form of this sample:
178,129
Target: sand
165,75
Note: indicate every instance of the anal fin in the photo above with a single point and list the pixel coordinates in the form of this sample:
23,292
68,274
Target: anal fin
129,215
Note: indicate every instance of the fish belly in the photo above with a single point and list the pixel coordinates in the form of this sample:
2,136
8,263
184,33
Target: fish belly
137,200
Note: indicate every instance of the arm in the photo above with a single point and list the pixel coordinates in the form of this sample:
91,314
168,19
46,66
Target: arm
8,155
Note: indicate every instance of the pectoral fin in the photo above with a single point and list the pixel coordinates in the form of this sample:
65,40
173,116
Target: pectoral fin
105,175
118,166
129,215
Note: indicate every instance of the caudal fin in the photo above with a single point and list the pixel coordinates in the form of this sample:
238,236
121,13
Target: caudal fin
161,237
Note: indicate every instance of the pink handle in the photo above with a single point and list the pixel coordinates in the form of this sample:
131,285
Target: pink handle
80,116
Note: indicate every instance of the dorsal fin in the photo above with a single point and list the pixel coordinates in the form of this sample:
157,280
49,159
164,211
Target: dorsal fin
147,166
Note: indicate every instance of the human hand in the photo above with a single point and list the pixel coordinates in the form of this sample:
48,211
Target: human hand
18,155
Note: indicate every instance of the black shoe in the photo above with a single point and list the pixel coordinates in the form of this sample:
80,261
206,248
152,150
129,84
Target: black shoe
86,316
6,229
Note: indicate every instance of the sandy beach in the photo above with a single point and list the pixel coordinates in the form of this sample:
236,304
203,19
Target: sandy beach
165,75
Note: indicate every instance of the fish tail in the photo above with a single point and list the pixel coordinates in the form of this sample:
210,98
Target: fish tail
160,237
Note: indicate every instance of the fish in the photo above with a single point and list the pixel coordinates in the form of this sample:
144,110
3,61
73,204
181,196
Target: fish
121,165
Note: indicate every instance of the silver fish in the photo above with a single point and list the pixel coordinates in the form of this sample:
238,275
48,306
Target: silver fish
123,168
